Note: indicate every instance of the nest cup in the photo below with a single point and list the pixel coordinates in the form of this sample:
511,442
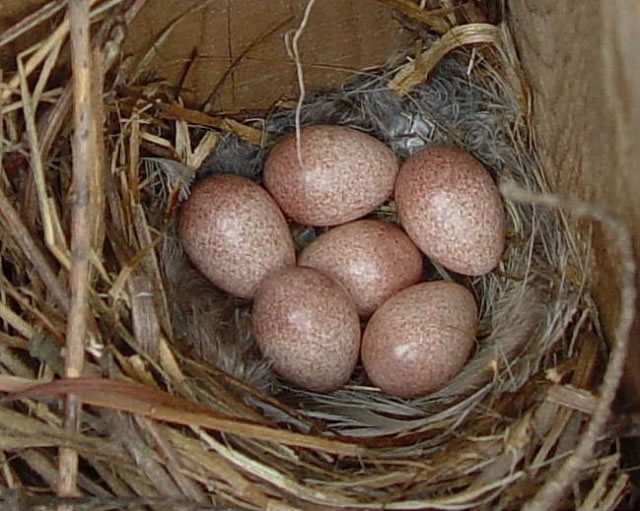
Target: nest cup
180,410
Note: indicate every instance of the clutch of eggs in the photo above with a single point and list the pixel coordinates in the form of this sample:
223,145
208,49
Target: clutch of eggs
305,317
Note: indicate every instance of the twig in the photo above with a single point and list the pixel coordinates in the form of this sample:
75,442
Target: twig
110,38
556,485
96,178
193,58
85,156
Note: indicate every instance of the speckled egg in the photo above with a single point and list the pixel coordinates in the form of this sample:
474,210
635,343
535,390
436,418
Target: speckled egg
340,175
372,259
307,325
420,338
451,208
234,233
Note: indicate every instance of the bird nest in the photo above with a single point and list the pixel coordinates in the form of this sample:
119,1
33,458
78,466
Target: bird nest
134,383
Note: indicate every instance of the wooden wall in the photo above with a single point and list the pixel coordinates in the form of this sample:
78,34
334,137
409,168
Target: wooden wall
582,59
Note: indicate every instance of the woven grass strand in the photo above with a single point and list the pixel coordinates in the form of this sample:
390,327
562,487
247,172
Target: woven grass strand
497,436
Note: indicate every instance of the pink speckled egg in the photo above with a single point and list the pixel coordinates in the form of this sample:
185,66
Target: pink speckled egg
307,325
234,233
372,259
452,209
420,338
345,174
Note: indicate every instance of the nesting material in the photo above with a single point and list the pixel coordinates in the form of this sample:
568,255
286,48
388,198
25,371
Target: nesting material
485,119
180,410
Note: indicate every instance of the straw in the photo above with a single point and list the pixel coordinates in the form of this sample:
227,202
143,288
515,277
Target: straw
179,408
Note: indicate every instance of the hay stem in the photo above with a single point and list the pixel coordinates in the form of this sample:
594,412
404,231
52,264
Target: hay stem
191,431
595,495
27,306
582,376
173,465
51,123
617,493
141,400
85,162
32,252
416,72
19,324
43,77
48,214
133,11
41,50
31,21
555,487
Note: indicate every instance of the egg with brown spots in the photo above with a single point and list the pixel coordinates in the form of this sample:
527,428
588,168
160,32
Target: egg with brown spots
420,338
372,259
234,233
341,174
451,208
307,325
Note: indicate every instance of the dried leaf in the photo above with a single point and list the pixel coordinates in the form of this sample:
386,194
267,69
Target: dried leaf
141,400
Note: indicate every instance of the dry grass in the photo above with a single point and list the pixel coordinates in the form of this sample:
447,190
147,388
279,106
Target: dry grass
178,408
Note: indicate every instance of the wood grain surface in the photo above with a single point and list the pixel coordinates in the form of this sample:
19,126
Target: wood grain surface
338,40
582,60
342,36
